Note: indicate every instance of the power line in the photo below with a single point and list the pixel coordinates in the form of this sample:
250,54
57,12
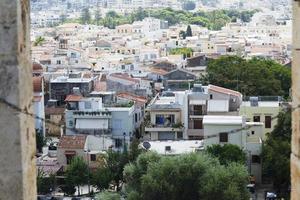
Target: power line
48,121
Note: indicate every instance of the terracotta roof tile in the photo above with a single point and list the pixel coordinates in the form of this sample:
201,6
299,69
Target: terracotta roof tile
73,97
133,97
223,90
72,142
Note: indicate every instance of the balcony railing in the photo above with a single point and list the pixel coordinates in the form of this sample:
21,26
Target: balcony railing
92,113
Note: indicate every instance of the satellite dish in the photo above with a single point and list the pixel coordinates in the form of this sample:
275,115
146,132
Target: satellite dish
146,145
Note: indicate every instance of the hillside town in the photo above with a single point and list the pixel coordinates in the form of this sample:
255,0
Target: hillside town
153,86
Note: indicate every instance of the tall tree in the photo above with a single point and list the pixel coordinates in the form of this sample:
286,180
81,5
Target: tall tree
190,176
85,16
189,31
116,162
254,77
276,154
45,184
97,17
77,173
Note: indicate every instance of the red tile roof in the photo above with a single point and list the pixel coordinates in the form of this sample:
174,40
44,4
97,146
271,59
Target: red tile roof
132,97
37,83
73,97
37,67
224,90
72,142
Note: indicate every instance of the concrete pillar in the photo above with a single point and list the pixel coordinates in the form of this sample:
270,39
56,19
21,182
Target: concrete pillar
17,136
295,156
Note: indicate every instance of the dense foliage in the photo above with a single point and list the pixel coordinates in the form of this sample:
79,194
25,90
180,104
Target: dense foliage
186,52
213,20
76,174
190,176
276,154
45,184
227,153
254,77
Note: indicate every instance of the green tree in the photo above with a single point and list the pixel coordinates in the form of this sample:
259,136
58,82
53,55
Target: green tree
45,184
97,17
276,154
184,177
189,5
108,196
39,41
189,31
85,16
77,173
186,52
227,153
101,178
40,141
254,77
116,162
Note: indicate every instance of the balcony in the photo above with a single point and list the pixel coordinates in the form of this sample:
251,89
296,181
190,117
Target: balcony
91,114
197,113
195,132
176,127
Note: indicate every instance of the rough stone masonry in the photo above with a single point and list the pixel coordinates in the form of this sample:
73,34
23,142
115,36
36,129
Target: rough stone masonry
295,156
17,136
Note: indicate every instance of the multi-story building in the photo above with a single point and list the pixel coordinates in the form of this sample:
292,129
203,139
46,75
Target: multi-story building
62,86
262,109
192,105
90,116
235,130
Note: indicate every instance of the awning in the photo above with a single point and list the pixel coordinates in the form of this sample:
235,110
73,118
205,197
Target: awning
197,102
92,124
70,152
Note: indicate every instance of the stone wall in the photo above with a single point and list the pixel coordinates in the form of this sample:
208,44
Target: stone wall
295,156
17,143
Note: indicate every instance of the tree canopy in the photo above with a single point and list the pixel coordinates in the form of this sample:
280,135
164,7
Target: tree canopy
85,16
190,176
213,20
254,77
276,154
77,173
227,153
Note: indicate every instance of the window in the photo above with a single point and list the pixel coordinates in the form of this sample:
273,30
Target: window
256,118
198,110
268,121
58,62
118,143
223,137
159,119
255,159
135,117
252,132
179,135
198,124
93,157
69,159
211,96
71,123
87,105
